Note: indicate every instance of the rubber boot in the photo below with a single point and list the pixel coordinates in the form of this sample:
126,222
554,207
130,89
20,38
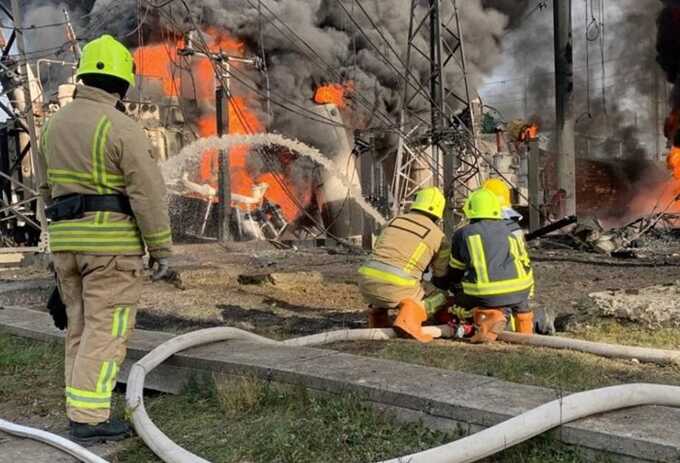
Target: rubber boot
378,318
110,430
524,322
409,322
489,323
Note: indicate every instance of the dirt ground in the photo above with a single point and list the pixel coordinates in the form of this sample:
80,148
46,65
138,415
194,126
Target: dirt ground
319,292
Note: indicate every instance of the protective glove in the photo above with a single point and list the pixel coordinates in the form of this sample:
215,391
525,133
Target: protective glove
162,270
544,321
57,309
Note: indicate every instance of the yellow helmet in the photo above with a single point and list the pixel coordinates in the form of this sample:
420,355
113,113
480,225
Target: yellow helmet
500,189
106,55
482,204
430,200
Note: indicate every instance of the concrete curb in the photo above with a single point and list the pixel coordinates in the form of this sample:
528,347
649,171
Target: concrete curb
446,399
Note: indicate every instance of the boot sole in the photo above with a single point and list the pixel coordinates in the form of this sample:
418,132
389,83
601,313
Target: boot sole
99,439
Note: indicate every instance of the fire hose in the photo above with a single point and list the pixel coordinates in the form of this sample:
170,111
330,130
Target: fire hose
468,449
61,443
465,450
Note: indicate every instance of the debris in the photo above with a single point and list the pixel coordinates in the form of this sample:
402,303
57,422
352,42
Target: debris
654,307
572,219
281,279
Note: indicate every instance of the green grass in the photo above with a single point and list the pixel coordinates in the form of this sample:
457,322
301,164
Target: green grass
631,334
244,419
558,369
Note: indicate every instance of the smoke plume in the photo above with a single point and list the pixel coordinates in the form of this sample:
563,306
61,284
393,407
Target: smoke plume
308,43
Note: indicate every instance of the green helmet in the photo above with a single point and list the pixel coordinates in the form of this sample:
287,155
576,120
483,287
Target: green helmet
430,200
107,56
482,204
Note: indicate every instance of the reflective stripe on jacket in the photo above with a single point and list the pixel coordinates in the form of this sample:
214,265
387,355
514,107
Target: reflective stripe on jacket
90,147
406,247
494,260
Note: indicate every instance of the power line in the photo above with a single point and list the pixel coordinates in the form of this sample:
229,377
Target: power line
33,26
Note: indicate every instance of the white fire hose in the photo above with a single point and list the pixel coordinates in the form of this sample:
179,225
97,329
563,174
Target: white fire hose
65,445
469,449
466,450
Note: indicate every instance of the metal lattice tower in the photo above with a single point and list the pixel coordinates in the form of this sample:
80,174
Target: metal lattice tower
435,156
22,214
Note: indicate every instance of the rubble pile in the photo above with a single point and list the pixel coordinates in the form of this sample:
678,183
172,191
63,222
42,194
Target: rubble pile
654,307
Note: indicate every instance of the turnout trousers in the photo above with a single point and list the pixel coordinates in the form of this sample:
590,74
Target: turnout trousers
100,294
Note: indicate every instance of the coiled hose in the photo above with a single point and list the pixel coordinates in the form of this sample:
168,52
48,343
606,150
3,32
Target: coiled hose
466,450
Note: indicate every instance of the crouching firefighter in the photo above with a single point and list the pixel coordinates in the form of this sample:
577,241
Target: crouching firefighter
392,276
490,265
106,198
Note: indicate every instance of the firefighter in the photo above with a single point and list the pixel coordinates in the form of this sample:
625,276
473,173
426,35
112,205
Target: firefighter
106,202
502,190
492,267
392,276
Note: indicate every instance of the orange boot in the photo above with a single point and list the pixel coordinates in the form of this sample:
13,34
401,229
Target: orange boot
410,320
378,318
524,322
489,322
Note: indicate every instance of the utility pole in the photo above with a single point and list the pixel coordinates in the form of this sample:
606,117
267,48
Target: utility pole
222,67
436,88
224,180
564,103
38,175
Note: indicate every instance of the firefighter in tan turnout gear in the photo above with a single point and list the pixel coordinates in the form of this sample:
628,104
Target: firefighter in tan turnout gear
106,200
392,276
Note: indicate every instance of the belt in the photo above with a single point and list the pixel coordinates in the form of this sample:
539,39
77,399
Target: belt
107,203
74,206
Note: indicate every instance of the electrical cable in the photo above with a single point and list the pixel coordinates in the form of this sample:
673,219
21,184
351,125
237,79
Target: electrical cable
602,54
33,26
326,67
245,124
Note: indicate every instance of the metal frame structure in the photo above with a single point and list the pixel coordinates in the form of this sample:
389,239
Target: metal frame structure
452,143
22,217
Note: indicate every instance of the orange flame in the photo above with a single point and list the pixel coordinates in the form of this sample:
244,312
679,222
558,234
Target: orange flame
333,94
673,161
529,132
161,62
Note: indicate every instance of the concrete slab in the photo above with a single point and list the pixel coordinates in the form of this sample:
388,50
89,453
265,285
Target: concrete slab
448,399
15,449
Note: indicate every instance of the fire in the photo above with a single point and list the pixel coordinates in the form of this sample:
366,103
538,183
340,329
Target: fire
529,132
673,161
333,94
155,62
163,63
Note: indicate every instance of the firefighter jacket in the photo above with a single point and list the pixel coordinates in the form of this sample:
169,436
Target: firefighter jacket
407,246
491,260
90,147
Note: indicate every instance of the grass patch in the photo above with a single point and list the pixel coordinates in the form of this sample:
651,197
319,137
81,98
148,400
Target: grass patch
558,369
31,379
242,419
630,334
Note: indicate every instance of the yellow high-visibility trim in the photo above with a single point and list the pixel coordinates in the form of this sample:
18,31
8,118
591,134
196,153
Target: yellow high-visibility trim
97,168
387,277
158,238
457,264
476,248
495,288
415,257
90,236
516,257
107,376
120,321
81,398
